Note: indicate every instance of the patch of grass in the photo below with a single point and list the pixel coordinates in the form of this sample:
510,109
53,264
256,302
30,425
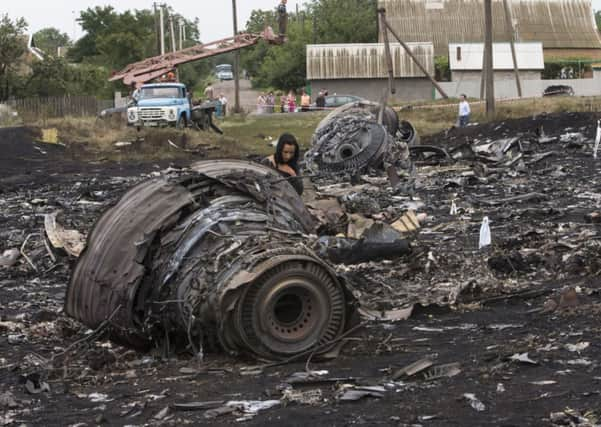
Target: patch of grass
251,134
90,137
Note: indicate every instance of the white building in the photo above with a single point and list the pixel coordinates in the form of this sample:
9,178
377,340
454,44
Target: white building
466,60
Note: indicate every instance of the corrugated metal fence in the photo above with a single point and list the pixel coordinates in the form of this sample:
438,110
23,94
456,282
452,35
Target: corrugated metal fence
59,106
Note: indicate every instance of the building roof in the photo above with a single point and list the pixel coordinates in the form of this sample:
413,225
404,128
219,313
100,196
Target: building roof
468,56
366,60
557,24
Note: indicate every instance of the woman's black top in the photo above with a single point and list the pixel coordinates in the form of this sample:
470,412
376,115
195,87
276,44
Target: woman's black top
295,181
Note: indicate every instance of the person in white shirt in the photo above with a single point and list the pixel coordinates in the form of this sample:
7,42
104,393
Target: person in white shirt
223,101
464,111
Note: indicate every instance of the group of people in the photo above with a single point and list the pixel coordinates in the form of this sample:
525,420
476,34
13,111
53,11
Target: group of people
266,103
288,103
222,105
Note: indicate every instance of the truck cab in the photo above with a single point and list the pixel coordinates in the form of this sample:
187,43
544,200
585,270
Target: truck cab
160,104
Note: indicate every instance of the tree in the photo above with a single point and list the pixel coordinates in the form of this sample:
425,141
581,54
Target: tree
322,21
598,19
12,48
345,21
284,66
56,77
116,39
50,39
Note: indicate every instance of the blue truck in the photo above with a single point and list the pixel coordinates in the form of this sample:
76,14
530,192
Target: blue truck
160,104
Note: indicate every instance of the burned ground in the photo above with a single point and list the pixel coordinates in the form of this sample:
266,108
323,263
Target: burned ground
518,319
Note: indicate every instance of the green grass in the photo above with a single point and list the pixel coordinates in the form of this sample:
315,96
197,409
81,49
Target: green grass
251,134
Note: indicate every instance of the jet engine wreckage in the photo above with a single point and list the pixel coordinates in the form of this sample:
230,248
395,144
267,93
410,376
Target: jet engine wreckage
216,253
360,136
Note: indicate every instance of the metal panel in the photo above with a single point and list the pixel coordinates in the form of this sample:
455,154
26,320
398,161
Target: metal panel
529,56
560,24
365,60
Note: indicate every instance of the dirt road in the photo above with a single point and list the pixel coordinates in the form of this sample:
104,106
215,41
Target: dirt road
248,96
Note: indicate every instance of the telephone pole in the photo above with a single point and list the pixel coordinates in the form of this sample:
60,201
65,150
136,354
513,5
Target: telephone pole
162,27
490,73
156,28
236,63
511,35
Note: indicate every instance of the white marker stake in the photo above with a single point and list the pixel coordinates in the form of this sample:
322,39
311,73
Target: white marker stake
453,208
484,233
597,139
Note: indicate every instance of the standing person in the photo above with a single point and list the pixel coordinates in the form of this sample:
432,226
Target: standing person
270,102
320,101
223,101
285,160
305,101
291,102
209,93
283,103
282,18
464,111
260,103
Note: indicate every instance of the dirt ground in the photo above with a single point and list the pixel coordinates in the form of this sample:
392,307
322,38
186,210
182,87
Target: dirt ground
520,324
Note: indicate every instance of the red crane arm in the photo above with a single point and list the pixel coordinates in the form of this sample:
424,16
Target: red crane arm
151,68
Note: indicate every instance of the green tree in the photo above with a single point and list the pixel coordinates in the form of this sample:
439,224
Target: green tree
12,48
598,19
345,21
56,77
284,66
322,21
50,39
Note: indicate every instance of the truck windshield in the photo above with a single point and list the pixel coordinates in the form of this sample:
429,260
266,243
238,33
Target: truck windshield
160,92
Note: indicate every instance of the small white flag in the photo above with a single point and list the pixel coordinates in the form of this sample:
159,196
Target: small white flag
453,208
597,139
484,233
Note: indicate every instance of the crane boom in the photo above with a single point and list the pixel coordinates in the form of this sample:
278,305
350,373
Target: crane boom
151,68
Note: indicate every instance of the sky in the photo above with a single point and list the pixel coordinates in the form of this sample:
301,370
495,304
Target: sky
215,16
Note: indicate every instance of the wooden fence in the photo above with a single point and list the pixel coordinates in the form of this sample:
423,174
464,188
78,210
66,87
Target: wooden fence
32,109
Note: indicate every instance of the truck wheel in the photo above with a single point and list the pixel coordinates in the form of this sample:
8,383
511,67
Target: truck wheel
181,123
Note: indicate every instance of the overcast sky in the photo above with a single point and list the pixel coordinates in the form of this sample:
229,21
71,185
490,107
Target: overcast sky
215,16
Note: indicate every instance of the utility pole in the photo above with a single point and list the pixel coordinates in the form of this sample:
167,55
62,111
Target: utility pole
156,28
483,74
490,74
386,26
236,63
387,53
172,31
173,42
511,35
180,27
162,29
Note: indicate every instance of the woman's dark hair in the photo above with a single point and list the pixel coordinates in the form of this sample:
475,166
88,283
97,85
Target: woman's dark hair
287,139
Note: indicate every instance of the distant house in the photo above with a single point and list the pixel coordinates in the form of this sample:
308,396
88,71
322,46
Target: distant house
566,28
32,54
361,69
465,61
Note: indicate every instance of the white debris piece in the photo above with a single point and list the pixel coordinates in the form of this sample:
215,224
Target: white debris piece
485,238
474,402
577,347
